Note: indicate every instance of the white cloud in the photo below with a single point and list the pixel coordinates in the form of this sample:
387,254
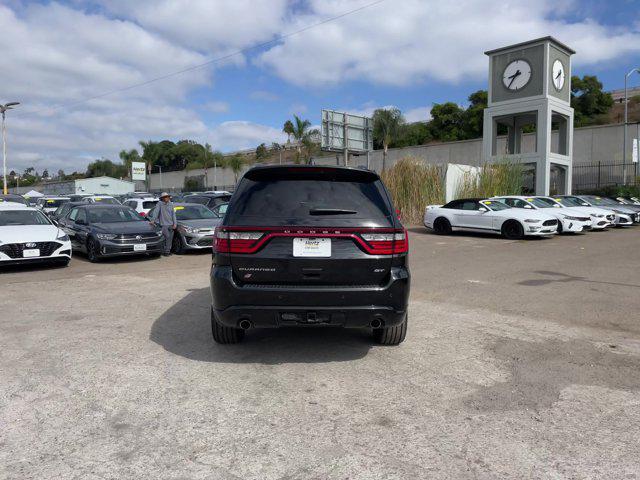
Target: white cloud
408,42
418,114
216,107
298,109
240,135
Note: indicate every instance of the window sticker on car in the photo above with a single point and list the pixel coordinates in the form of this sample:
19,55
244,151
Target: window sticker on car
178,208
529,199
50,201
557,199
97,199
487,203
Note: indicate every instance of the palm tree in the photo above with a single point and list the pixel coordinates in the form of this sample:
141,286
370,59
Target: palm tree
300,134
288,129
235,163
386,126
128,157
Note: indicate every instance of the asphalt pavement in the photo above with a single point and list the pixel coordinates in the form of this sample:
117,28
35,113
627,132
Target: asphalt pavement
522,361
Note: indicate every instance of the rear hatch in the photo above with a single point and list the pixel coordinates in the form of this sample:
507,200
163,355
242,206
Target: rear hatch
310,226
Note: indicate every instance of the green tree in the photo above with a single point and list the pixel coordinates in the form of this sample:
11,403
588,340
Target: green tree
288,129
410,134
300,132
128,157
447,122
105,167
235,163
45,173
588,100
261,152
474,115
386,127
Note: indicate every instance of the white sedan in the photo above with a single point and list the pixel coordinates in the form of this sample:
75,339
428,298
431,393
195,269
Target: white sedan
27,236
569,220
601,218
490,216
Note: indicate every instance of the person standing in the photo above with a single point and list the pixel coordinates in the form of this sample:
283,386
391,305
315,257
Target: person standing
165,216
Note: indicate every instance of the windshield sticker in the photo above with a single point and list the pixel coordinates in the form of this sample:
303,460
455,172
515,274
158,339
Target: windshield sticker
529,199
97,199
51,201
178,208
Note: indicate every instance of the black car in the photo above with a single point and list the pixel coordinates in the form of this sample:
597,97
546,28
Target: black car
63,210
110,230
307,245
10,197
209,200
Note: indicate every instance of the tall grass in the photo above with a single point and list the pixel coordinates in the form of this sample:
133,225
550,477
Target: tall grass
501,178
414,185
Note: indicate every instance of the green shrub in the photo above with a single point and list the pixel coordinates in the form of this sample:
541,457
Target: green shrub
615,191
501,178
414,185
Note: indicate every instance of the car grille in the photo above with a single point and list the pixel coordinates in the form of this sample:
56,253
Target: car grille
549,223
14,250
133,238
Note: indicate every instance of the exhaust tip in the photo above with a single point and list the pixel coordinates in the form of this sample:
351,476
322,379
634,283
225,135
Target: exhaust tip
245,324
376,323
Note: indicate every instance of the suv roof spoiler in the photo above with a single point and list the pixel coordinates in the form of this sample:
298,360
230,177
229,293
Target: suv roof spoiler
265,172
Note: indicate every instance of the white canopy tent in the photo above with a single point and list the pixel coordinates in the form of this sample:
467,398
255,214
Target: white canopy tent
32,194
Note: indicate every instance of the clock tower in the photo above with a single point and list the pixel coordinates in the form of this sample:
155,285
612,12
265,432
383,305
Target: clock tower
529,119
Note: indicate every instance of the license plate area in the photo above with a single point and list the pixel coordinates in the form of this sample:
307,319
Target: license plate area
31,252
311,247
140,247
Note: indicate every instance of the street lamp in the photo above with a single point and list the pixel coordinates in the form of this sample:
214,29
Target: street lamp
626,119
3,109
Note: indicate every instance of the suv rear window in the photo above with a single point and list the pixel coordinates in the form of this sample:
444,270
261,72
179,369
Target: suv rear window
149,204
302,193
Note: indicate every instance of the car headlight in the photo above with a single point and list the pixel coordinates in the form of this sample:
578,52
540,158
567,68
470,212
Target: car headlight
63,237
532,220
106,236
567,217
188,229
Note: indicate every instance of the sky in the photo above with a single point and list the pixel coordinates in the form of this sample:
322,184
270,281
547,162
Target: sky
81,69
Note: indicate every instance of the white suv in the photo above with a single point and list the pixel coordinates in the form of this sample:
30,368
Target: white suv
141,205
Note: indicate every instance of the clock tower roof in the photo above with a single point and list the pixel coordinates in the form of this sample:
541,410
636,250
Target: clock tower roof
550,39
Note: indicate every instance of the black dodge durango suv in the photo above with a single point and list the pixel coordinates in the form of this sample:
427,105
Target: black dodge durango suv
310,245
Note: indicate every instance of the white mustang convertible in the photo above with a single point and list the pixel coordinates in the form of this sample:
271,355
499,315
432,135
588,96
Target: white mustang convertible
490,216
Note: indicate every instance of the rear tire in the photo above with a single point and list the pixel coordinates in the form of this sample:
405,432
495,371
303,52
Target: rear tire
93,250
512,230
441,226
225,335
391,335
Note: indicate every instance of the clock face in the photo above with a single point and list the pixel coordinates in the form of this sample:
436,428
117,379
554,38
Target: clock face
516,75
558,75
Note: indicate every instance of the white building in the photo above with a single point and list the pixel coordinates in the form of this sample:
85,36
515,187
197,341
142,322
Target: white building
96,185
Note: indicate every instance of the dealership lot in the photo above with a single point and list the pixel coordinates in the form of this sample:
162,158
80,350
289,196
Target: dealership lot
521,361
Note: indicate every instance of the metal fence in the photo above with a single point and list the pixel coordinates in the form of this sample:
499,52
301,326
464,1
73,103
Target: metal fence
599,175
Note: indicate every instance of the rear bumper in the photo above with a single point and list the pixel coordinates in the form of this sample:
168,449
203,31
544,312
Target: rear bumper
277,306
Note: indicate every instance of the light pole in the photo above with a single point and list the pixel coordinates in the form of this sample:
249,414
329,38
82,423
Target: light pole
3,109
626,119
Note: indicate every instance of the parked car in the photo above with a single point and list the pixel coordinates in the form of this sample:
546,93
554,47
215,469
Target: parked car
488,216
619,219
77,197
220,210
110,230
50,204
101,199
569,221
306,245
625,202
63,210
600,217
142,205
617,207
209,200
196,227
27,236
10,197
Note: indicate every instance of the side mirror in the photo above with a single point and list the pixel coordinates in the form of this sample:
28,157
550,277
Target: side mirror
528,206
482,210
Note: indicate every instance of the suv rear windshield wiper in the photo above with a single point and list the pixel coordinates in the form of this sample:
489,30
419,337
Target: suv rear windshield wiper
331,211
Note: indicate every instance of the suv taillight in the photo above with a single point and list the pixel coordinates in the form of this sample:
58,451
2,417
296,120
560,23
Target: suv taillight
386,243
236,242
373,241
